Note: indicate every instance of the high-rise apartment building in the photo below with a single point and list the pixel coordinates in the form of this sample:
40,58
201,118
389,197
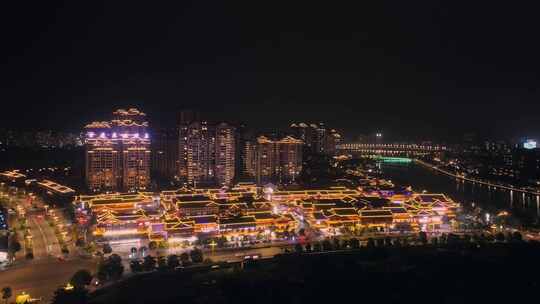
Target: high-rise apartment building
316,137
185,119
165,153
249,163
333,138
206,151
225,154
118,152
200,144
277,160
304,132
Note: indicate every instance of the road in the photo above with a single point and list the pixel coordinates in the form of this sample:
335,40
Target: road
234,254
45,273
40,278
43,237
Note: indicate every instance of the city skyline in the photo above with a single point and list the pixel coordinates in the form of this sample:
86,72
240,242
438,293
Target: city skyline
269,152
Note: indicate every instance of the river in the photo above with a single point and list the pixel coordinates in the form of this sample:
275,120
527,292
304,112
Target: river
524,207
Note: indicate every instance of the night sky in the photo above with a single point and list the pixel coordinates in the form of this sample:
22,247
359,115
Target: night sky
429,69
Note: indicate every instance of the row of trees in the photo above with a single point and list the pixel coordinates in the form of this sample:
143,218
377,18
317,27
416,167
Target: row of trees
421,239
150,263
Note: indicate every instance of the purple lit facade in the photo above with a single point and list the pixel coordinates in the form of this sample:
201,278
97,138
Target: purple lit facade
118,153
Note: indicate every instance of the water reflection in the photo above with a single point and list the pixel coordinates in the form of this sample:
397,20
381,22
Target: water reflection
493,200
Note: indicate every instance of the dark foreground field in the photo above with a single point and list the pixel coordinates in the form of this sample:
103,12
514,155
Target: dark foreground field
496,273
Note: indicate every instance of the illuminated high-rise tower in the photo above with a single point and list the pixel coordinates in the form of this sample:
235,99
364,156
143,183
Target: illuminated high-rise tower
200,145
316,137
225,154
278,160
118,152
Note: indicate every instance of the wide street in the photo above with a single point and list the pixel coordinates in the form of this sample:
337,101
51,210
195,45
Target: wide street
43,237
41,277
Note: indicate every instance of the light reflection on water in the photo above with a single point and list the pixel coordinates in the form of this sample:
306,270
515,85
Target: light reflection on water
491,199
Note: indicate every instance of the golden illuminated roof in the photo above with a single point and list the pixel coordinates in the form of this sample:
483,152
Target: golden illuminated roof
129,112
50,185
290,140
128,123
264,140
13,174
98,125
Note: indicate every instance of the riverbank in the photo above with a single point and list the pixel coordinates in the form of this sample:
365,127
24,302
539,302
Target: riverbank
489,184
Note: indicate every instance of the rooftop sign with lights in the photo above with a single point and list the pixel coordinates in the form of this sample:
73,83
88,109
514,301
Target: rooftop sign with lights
529,144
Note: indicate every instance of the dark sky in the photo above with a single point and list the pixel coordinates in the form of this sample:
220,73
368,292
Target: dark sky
409,68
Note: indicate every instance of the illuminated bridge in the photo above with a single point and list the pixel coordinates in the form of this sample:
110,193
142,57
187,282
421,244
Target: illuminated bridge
405,150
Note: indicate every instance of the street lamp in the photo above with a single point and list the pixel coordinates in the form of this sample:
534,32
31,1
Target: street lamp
69,286
213,244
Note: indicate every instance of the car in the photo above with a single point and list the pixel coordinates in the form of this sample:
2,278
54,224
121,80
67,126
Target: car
255,256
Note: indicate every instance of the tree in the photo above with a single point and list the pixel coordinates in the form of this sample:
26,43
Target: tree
81,278
107,248
184,258
111,268
405,242
79,242
102,274
422,238
355,243
443,239
75,295
135,266
6,293
499,237
298,248
15,246
173,261
152,245
149,263
452,240
326,245
221,241
516,237
161,263
196,255
337,244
